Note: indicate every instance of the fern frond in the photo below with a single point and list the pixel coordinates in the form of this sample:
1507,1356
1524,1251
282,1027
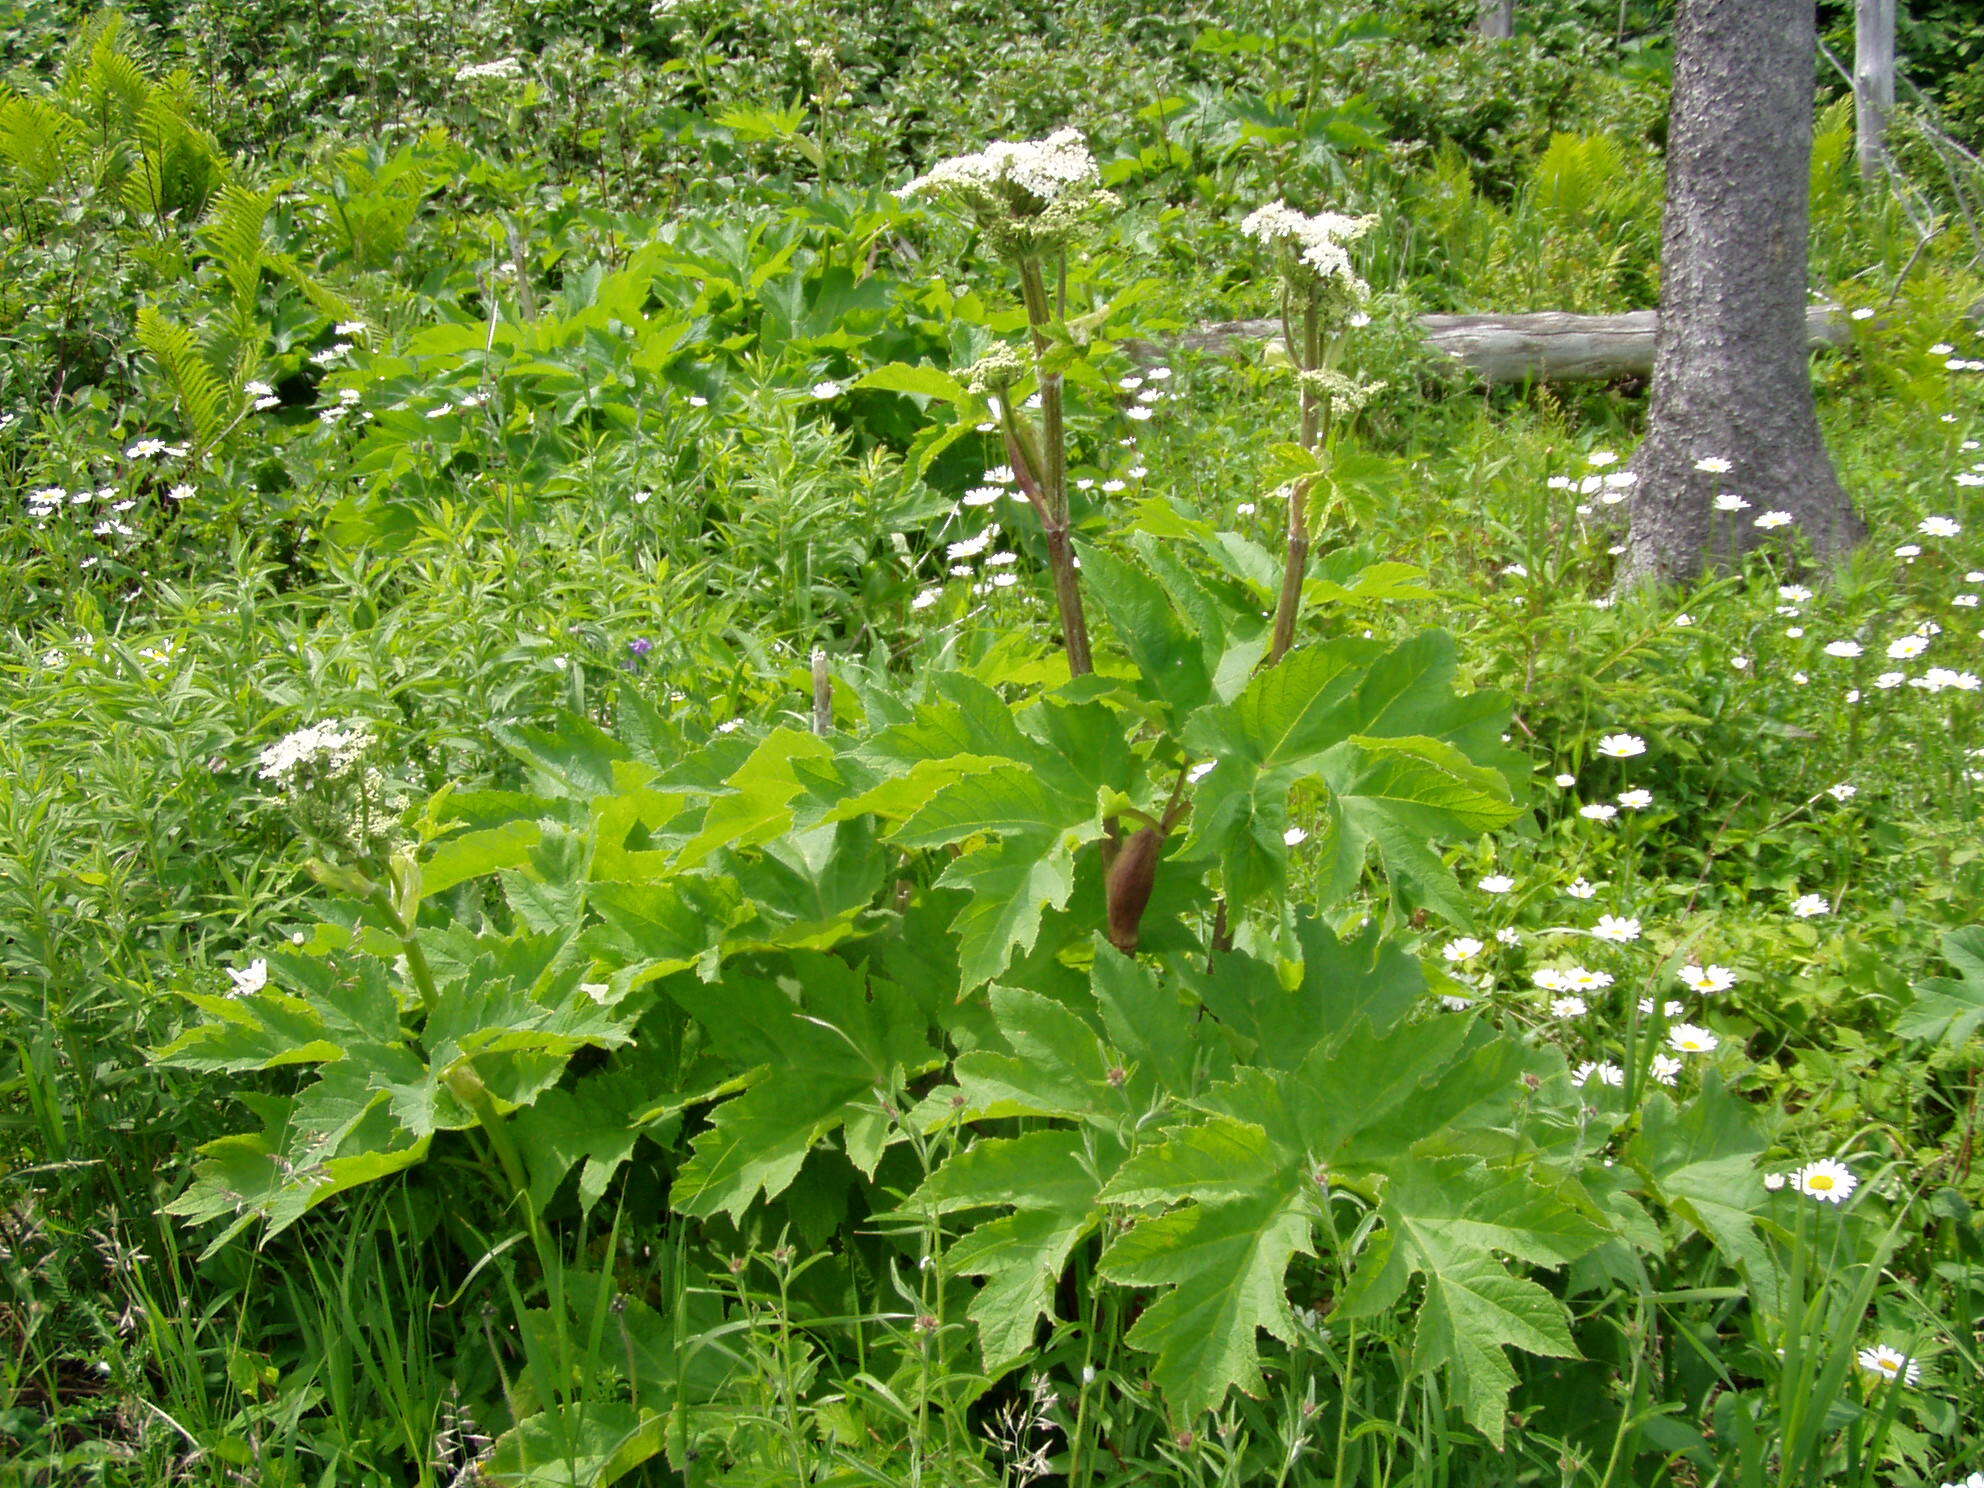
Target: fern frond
205,404
232,233
39,142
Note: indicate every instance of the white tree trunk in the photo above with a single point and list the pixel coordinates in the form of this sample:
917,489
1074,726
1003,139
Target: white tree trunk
1496,19
1873,82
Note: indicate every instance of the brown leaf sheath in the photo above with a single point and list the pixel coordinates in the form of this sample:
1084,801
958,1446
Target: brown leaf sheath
1129,885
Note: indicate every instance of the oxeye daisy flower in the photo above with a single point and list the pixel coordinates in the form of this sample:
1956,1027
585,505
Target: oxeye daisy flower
1496,883
1567,1007
1729,501
1636,800
1707,978
1686,1038
1906,647
1808,906
1580,889
1616,928
1844,791
1604,1072
1846,650
1828,1181
1713,465
1665,1068
1888,1364
1508,935
1621,746
1599,811
1295,836
1462,948
1772,519
1939,527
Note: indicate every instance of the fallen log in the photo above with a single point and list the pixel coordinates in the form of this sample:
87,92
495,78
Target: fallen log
1547,346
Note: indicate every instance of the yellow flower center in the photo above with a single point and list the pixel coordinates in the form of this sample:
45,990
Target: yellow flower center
1821,1180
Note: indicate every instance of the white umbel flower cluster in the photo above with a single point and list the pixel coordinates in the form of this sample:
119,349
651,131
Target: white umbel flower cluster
1044,169
1317,243
332,785
323,751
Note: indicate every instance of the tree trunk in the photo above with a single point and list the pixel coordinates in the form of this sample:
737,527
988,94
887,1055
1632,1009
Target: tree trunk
1730,379
1873,83
1496,19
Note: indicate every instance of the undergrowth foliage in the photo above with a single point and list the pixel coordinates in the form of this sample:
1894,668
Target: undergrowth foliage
674,817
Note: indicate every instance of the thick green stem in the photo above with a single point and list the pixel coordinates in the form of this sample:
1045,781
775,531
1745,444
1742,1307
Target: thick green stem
1315,431
1052,473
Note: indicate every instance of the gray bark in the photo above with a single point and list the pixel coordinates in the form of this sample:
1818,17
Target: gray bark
1544,346
1496,19
1730,378
1873,83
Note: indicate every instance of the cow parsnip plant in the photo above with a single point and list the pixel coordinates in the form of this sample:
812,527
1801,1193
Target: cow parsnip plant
1250,1090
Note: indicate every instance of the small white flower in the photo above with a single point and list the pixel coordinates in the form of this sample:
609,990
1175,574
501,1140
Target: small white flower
826,388
1496,883
1826,1180
1636,800
1567,1007
1598,811
1461,948
1686,1038
1295,836
1845,650
1508,935
1729,501
971,547
1669,1009
1580,889
1809,906
1888,1364
1621,746
144,449
1964,601
1618,929
1910,551
1666,1069
1565,781
927,598
1773,519
1601,457
1843,791
1907,647
1888,680
1714,465
249,979
1683,621
1707,979
1941,349
1245,509
1774,1181
1606,1073
1740,663
1938,527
